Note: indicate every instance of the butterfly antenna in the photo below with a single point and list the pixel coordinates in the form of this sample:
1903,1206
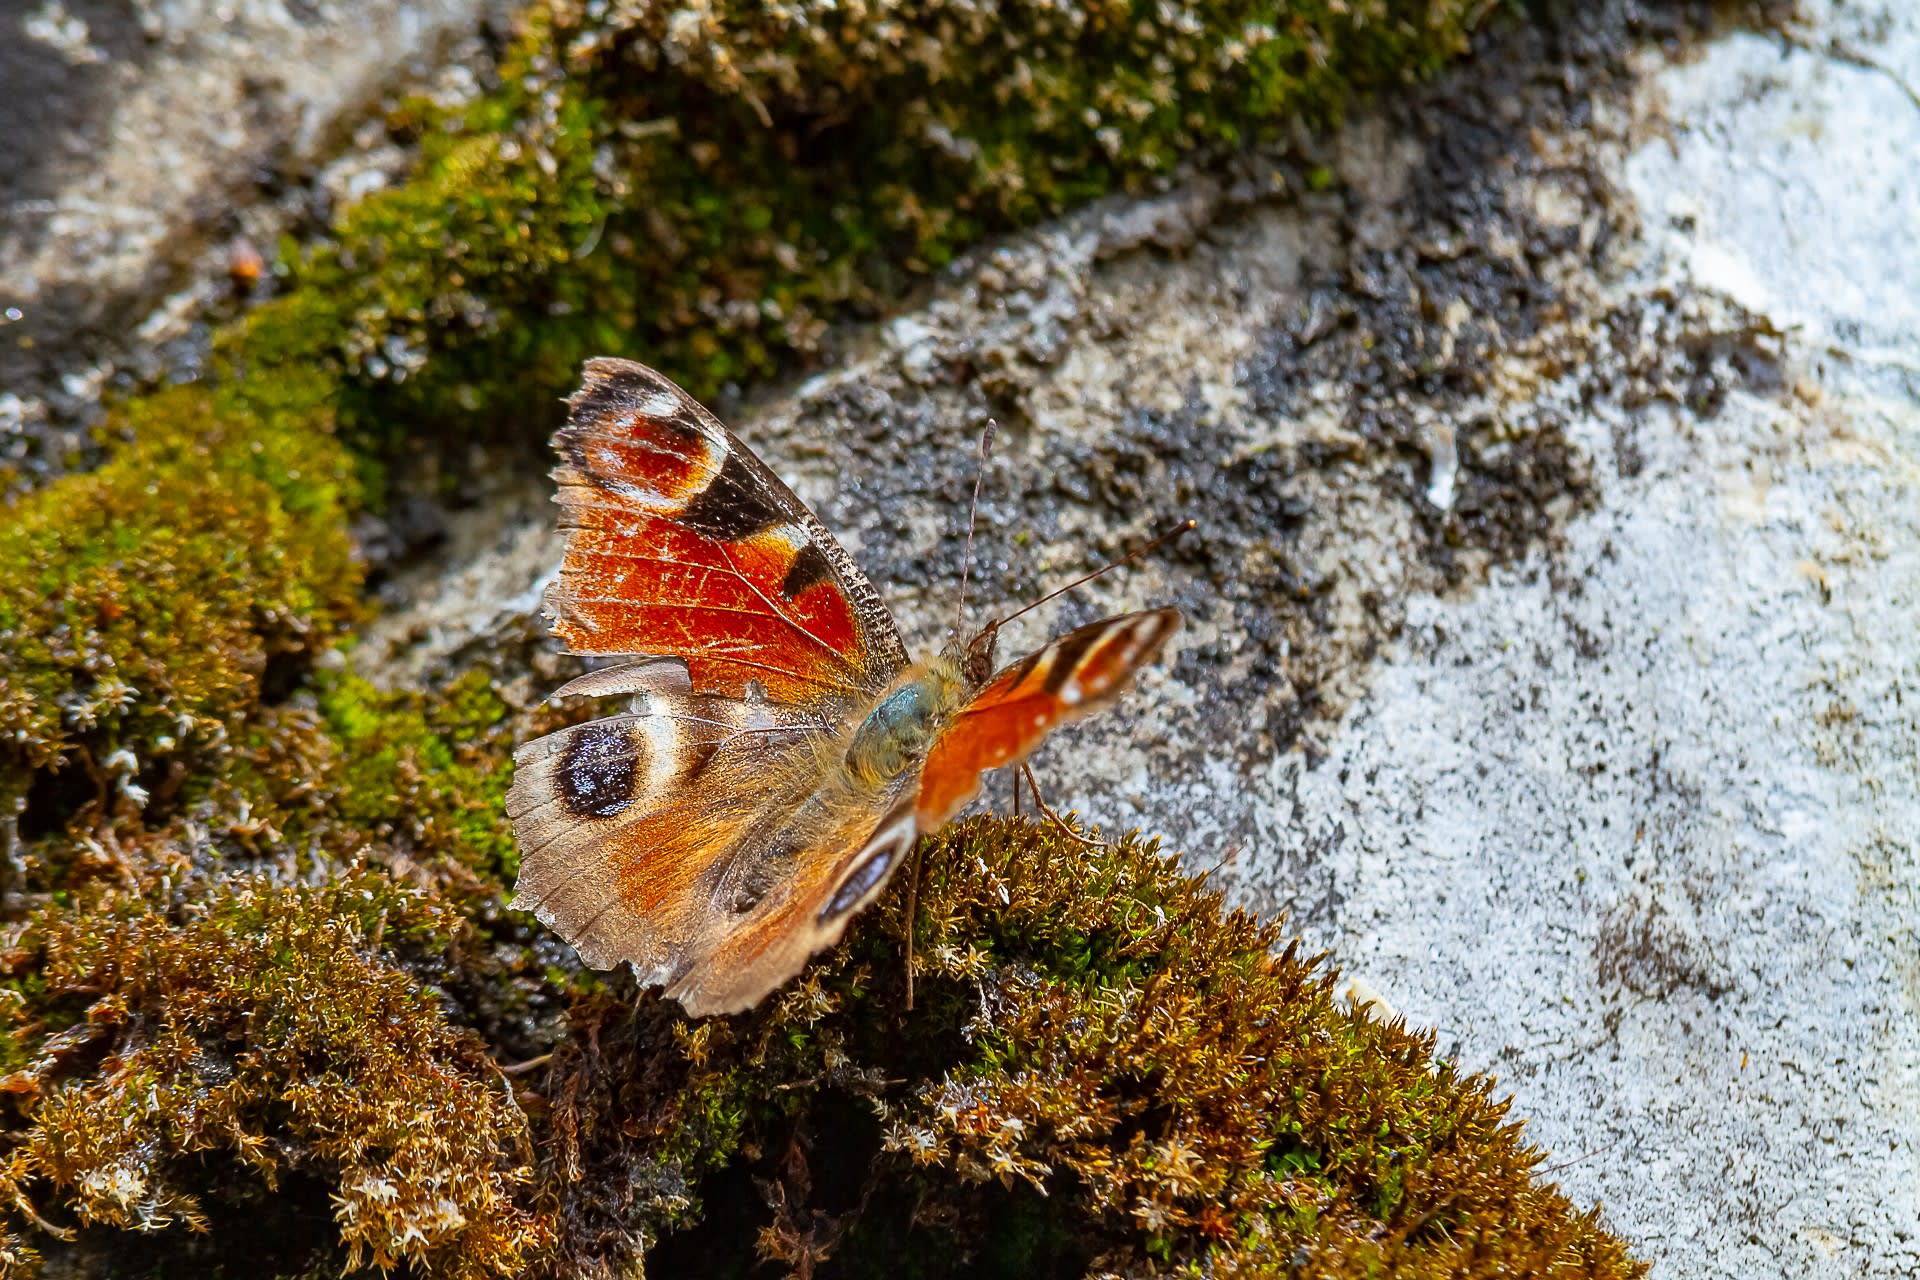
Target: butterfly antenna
973,511
1108,567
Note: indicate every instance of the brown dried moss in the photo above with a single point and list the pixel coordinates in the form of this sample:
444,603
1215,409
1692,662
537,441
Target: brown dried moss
271,1025
1107,1072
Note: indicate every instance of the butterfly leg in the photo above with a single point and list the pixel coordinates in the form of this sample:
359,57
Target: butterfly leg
913,895
1053,817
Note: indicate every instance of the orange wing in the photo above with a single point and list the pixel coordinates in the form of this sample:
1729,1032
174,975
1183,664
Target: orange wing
681,543
1077,674
695,837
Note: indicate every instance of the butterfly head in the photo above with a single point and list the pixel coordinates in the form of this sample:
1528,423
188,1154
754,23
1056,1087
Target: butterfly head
977,656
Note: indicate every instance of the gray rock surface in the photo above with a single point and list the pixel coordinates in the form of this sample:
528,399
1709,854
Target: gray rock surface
1648,849
142,147
1551,653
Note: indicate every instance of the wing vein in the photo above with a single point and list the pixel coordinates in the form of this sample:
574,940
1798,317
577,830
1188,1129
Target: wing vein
790,621
731,570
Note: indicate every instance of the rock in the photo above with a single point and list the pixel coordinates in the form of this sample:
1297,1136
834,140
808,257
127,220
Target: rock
1647,845
140,148
1171,222
1604,764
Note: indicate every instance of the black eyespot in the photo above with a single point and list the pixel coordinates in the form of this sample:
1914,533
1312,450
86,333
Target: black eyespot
600,770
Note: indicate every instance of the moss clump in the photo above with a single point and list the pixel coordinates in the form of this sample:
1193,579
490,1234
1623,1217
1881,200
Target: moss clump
705,186
469,251
1107,1071
430,771
273,1026
141,604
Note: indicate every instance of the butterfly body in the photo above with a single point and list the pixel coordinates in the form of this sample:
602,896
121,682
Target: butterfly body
895,734
779,754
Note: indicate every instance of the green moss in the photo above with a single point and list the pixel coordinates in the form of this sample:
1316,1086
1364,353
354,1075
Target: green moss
464,253
432,770
140,604
705,188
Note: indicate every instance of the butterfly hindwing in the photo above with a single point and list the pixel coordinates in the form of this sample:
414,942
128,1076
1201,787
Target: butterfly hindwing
1079,673
626,825
681,542
698,837
809,873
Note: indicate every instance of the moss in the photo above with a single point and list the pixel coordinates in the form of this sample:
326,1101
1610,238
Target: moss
466,250
141,604
429,769
1095,1033
268,1023
705,187
1103,1064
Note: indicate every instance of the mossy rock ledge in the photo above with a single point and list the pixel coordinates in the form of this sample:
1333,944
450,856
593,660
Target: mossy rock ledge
265,1011
1104,1072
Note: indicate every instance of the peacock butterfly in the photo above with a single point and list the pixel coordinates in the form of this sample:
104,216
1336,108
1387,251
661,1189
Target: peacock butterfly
780,754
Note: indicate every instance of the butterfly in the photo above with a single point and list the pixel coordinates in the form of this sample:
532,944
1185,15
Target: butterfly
780,754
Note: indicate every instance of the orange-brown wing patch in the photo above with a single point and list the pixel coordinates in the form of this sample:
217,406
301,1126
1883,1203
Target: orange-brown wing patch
624,824
1077,674
699,839
792,905
682,543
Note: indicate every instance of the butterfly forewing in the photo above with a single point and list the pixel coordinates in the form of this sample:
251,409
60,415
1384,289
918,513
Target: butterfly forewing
1074,676
681,542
